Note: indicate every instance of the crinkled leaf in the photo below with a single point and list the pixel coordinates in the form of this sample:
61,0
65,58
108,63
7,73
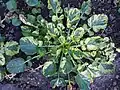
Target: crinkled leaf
62,39
106,68
49,68
52,30
86,7
60,26
11,48
55,6
26,31
32,2
82,82
97,22
78,34
73,16
93,43
58,82
92,47
16,65
2,60
28,45
11,5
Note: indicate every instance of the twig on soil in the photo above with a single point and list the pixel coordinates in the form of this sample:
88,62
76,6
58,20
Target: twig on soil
10,76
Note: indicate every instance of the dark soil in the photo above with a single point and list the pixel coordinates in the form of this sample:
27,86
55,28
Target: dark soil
28,80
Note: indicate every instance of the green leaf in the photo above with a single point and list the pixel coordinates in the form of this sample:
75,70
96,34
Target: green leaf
32,2
78,34
28,45
73,16
77,53
16,65
66,66
98,22
16,22
11,5
55,6
57,82
58,52
11,48
49,68
62,39
31,18
93,43
2,39
60,26
106,68
52,30
26,31
86,7
82,82
35,11
2,60
41,51
54,18
92,47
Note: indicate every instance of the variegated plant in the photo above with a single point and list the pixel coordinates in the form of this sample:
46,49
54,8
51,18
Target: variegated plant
76,54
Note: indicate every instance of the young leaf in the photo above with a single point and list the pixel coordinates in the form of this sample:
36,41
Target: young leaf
31,18
73,16
77,54
32,2
28,45
11,48
98,22
86,7
52,30
82,83
41,51
55,6
16,22
62,39
2,60
26,31
16,65
49,68
11,5
78,34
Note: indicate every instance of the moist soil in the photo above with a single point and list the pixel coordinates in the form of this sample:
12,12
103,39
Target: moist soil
33,79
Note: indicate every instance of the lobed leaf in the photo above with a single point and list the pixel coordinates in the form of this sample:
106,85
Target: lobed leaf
11,48
98,22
